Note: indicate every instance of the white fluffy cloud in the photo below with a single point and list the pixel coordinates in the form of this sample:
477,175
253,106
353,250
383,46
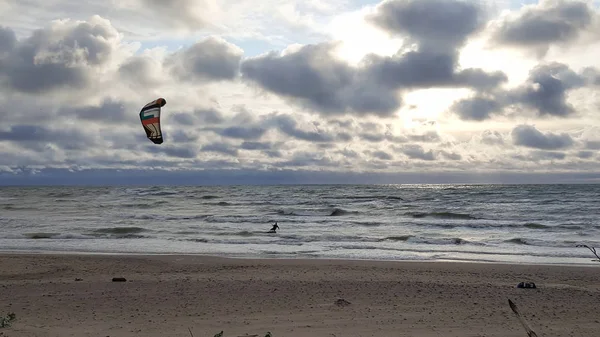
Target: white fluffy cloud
72,88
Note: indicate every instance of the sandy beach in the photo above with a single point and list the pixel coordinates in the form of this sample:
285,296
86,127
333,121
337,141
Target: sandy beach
73,295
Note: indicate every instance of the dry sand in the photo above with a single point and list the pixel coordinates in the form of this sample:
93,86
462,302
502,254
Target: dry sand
164,295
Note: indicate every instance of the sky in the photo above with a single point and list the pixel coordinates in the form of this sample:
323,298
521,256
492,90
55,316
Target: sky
290,91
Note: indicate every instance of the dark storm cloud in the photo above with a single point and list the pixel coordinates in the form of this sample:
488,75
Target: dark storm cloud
544,24
433,24
529,136
545,92
53,58
210,59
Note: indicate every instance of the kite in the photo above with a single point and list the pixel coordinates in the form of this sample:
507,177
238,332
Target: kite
150,118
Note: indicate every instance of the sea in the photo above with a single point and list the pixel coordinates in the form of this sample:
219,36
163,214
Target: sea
533,224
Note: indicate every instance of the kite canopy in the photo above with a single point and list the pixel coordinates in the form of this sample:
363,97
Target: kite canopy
150,118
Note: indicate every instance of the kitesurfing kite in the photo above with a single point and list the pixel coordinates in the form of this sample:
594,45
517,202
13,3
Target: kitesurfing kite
150,118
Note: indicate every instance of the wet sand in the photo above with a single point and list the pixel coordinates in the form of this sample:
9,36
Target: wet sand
73,295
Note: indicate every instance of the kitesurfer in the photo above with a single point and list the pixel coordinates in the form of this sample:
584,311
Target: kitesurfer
274,228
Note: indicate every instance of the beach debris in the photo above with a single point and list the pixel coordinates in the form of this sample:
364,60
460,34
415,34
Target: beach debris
527,285
119,279
6,321
78,279
340,302
220,334
593,250
528,329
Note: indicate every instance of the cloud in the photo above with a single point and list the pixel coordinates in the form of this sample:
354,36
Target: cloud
210,59
67,54
313,78
8,40
220,148
529,136
539,26
414,151
109,111
38,137
545,93
490,137
432,24
71,91
189,14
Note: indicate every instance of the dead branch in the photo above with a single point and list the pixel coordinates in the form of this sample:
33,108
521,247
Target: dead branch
592,249
528,329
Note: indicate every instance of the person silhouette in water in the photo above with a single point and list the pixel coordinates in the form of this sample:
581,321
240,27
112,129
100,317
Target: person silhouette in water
274,228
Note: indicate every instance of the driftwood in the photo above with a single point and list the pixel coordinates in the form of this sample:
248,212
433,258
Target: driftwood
528,329
592,249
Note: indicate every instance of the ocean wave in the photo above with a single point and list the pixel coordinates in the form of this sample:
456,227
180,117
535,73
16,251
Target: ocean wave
60,194
14,207
120,230
316,212
442,215
398,238
547,243
534,225
370,197
207,197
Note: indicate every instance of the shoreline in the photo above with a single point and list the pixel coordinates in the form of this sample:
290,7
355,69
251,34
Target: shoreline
62,295
593,263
